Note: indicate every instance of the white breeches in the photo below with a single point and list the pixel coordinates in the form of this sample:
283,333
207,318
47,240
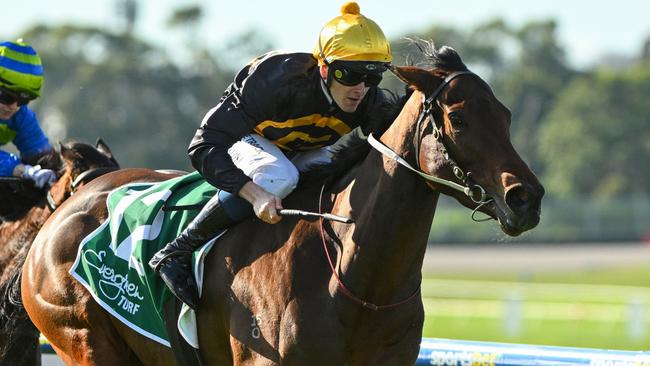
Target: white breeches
269,168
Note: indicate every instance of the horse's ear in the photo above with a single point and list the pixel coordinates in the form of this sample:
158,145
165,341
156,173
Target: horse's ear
416,77
103,148
396,71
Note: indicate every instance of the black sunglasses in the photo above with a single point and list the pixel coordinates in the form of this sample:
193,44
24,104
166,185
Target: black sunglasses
351,78
9,97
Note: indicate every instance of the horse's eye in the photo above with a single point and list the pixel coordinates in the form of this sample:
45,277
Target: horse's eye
455,119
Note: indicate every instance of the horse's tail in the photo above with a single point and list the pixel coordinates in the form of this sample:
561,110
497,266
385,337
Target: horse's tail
19,344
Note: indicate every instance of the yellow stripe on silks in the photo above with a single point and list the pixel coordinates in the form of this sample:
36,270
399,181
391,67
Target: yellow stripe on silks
282,142
313,119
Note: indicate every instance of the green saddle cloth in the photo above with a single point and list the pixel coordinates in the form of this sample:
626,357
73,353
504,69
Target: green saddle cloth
112,260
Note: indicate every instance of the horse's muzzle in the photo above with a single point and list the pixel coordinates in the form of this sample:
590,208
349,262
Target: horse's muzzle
523,211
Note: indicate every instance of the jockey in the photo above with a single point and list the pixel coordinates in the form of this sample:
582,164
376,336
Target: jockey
21,77
283,112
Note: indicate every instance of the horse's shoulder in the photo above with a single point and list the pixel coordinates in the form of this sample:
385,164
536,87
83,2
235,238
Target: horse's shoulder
254,239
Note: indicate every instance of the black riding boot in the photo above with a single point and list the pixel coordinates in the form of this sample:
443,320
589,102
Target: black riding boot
173,262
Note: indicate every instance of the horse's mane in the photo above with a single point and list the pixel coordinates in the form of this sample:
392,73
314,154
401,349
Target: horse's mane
429,57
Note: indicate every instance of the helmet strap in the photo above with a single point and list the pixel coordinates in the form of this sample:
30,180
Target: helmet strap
326,90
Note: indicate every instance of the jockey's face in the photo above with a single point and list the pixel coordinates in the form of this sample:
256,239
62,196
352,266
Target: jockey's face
346,97
8,110
10,102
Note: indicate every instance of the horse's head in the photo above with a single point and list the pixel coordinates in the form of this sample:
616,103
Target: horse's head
81,163
463,137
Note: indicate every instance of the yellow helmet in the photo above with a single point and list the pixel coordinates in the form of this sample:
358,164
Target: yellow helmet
352,37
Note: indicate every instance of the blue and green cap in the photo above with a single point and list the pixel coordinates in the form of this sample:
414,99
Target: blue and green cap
20,68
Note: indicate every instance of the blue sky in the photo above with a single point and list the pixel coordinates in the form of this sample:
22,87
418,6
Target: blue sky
587,30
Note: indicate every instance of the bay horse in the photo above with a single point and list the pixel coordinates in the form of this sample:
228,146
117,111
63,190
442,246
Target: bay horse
25,209
305,291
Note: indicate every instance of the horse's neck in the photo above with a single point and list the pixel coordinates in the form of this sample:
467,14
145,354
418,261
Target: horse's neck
394,210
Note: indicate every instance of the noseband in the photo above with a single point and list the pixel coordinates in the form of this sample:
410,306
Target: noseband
472,190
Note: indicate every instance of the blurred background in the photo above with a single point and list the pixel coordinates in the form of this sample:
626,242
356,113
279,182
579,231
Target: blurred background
141,74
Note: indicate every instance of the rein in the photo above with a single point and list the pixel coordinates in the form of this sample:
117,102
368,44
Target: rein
81,179
347,292
394,156
13,180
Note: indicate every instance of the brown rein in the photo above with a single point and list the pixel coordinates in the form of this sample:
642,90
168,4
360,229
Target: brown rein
347,292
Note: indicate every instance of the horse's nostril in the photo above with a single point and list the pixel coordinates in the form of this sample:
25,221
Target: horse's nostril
518,198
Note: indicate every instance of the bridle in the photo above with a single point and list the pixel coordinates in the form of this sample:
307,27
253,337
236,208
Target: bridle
471,189
76,183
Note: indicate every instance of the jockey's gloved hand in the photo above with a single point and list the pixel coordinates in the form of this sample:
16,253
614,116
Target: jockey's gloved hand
40,176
